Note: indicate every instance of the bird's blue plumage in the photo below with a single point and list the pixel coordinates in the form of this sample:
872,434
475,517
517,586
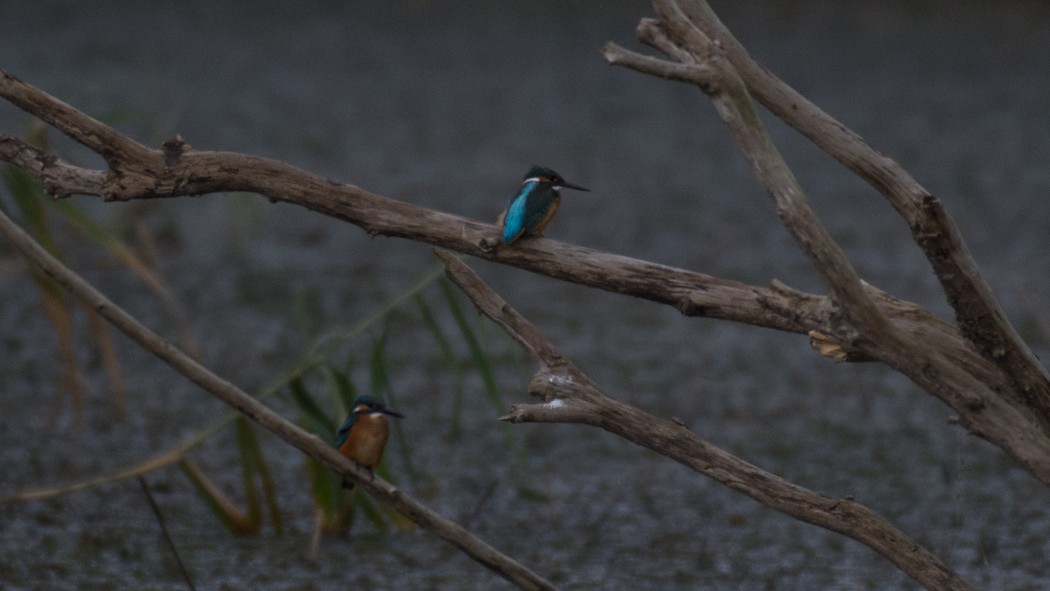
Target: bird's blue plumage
535,203
344,429
515,222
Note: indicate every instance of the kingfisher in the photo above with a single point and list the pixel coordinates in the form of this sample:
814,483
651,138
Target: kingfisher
363,434
533,206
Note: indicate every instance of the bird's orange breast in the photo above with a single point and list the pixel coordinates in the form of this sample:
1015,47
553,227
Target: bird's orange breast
366,441
547,216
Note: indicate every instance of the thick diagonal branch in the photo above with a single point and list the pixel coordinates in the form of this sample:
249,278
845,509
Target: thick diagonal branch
188,172
572,397
309,444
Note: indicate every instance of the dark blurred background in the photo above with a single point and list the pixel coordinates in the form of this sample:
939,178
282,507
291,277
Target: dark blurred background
446,104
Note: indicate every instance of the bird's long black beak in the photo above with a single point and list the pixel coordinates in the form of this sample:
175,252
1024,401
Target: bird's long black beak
569,185
392,413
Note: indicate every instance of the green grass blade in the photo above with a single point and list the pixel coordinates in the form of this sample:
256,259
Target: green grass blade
312,417
246,441
323,346
341,384
477,352
448,354
379,378
30,200
450,362
380,382
326,488
262,468
254,466
325,485
515,443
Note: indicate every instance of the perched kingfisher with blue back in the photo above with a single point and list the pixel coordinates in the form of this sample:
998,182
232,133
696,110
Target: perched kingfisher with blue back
533,206
363,434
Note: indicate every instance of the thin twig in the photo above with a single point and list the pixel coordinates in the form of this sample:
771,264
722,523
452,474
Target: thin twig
164,531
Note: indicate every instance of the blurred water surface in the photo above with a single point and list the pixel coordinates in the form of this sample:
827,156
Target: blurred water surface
446,104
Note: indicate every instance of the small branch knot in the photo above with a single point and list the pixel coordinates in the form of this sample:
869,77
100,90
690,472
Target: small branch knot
173,150
489,244
549,386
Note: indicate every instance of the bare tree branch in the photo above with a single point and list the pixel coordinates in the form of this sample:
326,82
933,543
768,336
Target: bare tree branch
978,313
191,172
978,366
95,135
947,365
57,176
862,320
572,397
309,444
855,321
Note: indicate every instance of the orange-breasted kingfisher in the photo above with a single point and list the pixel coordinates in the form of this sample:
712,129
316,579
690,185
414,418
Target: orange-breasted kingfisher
533,206
363,434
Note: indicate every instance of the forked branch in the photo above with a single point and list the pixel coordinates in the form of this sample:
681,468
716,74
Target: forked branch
977,312
994,409
570,396
978,366
949,367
